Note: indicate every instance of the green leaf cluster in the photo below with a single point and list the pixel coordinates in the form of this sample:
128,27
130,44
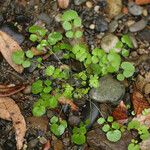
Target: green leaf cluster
78,137
20,57
57,73
112,128
57,126
72,23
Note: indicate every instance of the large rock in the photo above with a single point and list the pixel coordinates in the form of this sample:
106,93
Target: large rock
114,7
109,42
97,140
110,90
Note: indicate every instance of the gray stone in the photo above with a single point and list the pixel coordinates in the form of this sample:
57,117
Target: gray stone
13,33
134,9
73,120
97,140
110,90
109,42
90,112
101,25
113,26
79,2
138,26
144,35
45,18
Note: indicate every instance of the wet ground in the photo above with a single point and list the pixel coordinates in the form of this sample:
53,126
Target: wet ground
98,21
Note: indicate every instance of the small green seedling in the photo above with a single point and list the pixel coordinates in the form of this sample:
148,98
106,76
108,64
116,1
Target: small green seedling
57,126
134,145
72,23
127,40
112,129
19,58
78,137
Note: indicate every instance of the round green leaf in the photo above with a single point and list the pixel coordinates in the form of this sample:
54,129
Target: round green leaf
50,70
69,15
69,34
78,34
106,128
29,54
113,136
120,77
33,37
79,139
18,57
26,64
101,120
77,22
67,25
38,111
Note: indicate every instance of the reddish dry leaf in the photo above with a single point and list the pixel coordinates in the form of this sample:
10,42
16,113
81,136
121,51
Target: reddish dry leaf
139,102
8,90
7,47
64,100
10,111
63,3
142,2
47,146
120,112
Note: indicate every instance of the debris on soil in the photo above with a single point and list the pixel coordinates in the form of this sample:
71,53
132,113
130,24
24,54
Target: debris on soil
10,111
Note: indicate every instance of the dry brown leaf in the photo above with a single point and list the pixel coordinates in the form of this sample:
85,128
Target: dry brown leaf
139,102
8,90
10,111
64,100
47,146
120,113
7,47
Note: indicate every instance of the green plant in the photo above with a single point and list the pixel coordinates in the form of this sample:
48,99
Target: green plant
142,129
113,129
128,70
57,126
78,137
21,58
133,145
71,23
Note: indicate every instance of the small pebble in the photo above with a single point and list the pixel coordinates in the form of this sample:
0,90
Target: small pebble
145,13
130,22
138,26
89,4
92,26
96,8
79,2
43,140
113,26
135,9
109,42
27,90
133,54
